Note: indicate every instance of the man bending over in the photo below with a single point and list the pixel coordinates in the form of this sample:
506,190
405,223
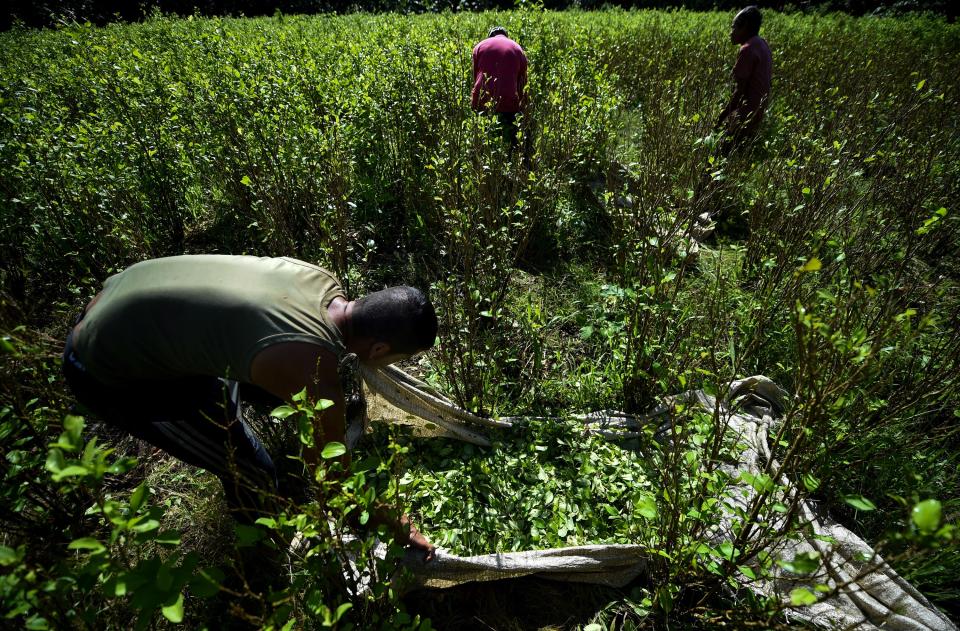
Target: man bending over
499,78
154,353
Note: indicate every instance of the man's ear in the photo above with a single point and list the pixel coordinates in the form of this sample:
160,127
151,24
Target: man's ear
378,349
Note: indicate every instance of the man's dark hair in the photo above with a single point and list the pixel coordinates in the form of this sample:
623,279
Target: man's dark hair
497,30
750,19
402,316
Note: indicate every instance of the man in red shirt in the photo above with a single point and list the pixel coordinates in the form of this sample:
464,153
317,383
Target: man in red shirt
752,73
499,76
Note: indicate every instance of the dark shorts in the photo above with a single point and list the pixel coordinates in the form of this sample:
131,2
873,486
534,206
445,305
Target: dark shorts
195,419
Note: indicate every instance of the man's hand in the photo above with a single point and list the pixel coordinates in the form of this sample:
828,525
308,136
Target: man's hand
419,542
723,118
404,532
409,535
735,99
718,126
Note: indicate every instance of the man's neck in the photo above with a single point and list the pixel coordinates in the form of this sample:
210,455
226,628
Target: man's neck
339,311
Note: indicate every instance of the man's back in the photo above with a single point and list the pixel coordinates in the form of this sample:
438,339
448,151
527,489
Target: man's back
499,73
753,72
204,315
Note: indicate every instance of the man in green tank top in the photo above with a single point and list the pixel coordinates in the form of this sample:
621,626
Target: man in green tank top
160,351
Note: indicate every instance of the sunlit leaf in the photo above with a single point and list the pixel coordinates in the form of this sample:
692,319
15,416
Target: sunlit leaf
927,515
86,543
36,623
860,502
282,412
6,345
174,611
70,471
168,538
802,563
333,450
802,596
8,556
342,609
137,497
647,507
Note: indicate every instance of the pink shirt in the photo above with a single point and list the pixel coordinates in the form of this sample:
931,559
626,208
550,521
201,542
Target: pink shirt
753,72
499,74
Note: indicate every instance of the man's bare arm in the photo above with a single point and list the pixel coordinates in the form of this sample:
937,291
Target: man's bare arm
731,105
287,368
742,71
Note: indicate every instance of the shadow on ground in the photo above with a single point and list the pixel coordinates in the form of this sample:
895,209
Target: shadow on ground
520,603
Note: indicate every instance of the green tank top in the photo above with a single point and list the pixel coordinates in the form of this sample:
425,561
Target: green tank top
204,315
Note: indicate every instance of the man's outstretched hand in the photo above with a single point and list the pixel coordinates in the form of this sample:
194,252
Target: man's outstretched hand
415,539
720,125
404,532
419,542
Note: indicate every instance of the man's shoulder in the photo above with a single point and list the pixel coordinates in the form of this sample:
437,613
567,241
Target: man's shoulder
514,46
310,266
293,261
499,43
484,44
756,44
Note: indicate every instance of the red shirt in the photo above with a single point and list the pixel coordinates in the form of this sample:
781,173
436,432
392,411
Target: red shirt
752,73
499,74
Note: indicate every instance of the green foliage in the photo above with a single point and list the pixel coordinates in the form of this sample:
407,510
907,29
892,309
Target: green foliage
927,515
544,487
335,579
152,581
565,280
134,563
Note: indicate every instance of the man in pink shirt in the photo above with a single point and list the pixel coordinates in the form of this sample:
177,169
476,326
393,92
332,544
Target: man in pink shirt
499,76
752,73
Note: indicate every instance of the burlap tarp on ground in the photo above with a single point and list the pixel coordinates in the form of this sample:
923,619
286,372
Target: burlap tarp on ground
865,592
